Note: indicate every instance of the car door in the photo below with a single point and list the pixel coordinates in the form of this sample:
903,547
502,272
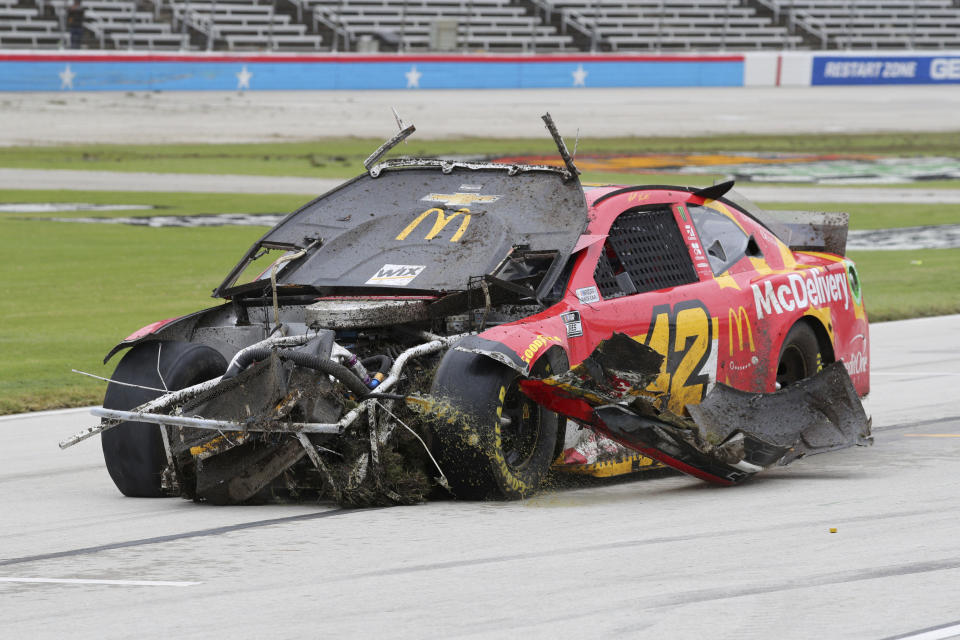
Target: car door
647,286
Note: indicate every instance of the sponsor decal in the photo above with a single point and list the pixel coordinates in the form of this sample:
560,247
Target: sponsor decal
780,167
754,361
740,319
859,360
785,167
588,295
471,187
856,363
441,221
572,321
686,336
539,343
870,69
853,279
396,275
666,162
885,69
699,257
945,69
459,199
809,289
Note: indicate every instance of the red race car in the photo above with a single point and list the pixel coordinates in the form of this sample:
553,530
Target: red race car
387,339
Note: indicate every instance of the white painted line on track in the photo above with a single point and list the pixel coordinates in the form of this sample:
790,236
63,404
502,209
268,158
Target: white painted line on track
124,583
42,414
939,633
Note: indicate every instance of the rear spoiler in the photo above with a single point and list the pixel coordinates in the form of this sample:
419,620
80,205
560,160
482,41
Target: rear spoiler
811,230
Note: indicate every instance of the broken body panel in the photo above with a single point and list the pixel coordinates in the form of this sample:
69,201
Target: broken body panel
730,435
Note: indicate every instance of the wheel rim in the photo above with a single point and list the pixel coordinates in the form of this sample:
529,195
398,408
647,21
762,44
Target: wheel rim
518,439
792,367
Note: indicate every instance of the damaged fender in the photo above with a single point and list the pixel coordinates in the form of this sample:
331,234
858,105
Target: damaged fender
521,360
729,437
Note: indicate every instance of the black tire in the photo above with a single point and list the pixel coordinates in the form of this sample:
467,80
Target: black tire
481,456
134,451
800,355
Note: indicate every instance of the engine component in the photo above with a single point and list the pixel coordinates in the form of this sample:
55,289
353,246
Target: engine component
356,313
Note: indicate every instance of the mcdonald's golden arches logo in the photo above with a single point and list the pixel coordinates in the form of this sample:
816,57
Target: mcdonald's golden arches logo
441,221
740,318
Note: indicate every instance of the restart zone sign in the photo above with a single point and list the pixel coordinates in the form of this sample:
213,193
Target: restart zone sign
885,70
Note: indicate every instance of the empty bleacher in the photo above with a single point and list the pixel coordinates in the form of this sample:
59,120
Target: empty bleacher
126,24
875,24
644,25
406,24
242,24
25,27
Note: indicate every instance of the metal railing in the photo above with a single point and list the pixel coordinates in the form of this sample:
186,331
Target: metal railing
796,20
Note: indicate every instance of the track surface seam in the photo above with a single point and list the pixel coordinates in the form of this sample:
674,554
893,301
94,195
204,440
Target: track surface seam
176,536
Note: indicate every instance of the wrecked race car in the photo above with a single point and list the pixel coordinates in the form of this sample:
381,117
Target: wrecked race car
388,324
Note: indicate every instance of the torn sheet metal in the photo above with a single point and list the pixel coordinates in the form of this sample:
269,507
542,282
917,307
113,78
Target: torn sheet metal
728,437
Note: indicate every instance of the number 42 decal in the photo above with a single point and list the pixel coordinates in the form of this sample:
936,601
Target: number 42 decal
686,336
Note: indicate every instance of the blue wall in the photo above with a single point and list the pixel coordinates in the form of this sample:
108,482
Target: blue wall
890,69
64,72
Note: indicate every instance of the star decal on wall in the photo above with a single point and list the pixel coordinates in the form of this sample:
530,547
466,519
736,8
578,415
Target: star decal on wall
66,78
243,78
579,76
413,78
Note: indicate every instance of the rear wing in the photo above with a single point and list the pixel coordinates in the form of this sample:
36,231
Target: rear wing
811,230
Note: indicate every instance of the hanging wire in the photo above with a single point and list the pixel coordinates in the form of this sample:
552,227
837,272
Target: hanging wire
125,384
162,381
443,478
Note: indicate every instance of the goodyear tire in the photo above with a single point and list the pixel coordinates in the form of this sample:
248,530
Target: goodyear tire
482,455
800,355
134,451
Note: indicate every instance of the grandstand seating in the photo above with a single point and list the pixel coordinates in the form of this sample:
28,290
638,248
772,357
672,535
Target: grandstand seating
124,24
242,24
671,24
493,25
875,24
481,24
26,27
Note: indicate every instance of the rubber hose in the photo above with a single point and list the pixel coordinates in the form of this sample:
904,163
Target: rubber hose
380,364
302,359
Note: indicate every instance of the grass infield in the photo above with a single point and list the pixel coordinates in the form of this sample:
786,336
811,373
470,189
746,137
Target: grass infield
343,157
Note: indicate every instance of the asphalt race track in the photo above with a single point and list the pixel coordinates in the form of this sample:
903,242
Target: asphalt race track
659,557
113,117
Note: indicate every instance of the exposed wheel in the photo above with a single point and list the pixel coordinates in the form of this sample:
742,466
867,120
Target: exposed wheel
800,355
499,443
134,451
